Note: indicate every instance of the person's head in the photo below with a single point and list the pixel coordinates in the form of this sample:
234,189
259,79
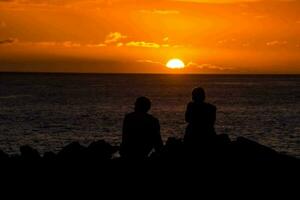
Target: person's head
198,94
142,104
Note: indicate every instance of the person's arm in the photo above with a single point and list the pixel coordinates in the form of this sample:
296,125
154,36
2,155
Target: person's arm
188,113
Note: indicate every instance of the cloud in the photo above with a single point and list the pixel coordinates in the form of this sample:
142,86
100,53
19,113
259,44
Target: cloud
3,24
227,41
151,62
120,44
260,16
114,37
161,12
70,44
143,44
66,44
208,67
46,44
96,45
166,39
8,41
276,43
150,45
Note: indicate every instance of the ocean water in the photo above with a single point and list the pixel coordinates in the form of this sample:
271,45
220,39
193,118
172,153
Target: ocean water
48,111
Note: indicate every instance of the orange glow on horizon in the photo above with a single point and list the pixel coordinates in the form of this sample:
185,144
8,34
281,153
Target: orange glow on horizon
218,36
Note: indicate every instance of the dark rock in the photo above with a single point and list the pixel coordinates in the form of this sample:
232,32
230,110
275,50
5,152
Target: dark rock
3,156
49,157
100,150
248,150
29,154
173,150
222,139
219,150
73,151
174,146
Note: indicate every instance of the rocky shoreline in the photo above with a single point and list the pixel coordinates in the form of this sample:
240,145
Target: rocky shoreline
221,150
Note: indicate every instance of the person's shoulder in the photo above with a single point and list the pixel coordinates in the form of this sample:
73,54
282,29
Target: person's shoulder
211,106
154,119
190,104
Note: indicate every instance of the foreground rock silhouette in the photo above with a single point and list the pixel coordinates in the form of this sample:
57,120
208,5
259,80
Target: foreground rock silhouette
221,150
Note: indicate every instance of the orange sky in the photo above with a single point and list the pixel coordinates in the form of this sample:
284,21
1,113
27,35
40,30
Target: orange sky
140,36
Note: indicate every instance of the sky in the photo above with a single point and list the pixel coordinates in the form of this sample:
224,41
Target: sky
140,36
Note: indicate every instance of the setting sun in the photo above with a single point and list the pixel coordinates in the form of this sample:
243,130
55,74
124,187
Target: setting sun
211,36
175,64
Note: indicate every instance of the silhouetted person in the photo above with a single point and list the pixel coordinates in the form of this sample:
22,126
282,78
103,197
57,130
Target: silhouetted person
201,117
141,132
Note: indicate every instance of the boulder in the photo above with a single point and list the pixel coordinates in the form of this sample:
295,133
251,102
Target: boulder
29,154
3,156
72,152
100,150
248,150
49,157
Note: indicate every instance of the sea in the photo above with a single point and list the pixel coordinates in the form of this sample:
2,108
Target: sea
49,111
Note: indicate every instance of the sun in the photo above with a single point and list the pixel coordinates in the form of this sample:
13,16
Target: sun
175,64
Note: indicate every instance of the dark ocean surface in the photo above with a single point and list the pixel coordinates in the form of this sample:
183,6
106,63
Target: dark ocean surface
48,111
